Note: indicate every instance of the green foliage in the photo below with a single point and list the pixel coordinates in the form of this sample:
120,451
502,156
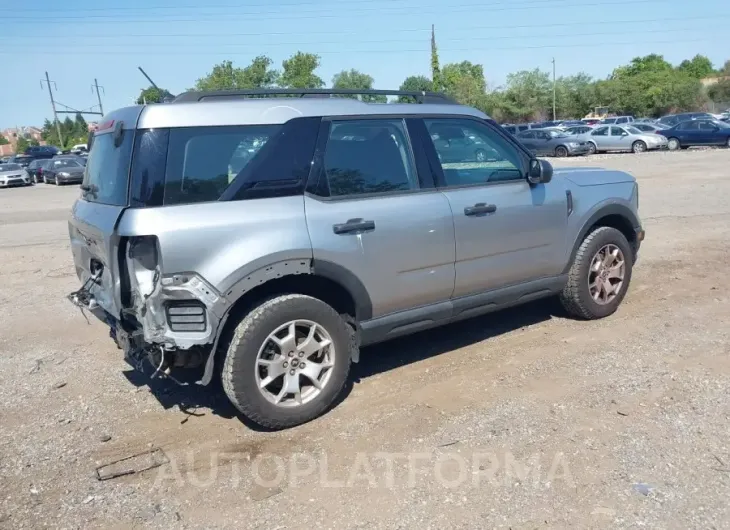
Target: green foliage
298,71
720,91
3,140
652,63
465,82
415,83
356,80
73,131
152,95
698,67
527,95
725,70
225,76
435,69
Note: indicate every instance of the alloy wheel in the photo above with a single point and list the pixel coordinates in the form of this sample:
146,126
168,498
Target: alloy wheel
294,364
481,155
606,275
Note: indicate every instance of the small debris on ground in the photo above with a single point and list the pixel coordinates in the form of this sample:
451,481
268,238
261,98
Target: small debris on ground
104,438
60,384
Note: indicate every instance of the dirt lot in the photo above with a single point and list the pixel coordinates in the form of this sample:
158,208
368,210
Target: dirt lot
521,419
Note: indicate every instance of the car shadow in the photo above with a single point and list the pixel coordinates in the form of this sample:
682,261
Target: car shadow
196,400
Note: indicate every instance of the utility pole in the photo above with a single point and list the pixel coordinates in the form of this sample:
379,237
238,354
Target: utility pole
554,118
98,97
53,104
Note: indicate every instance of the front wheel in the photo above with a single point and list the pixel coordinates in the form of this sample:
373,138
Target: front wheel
673,144
727,142
58,181
599,276
592,149
638,147
480,155
288,361
561,151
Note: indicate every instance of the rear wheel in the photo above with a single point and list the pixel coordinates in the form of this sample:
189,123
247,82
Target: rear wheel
599,276
592,149
673,144
288,361
561,151
58,181
638,147
481,155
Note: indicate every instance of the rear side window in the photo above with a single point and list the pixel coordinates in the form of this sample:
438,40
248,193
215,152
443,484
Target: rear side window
368,156
107,170
202,164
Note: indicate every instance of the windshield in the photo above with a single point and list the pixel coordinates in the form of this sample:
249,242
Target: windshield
65,162
722,124
633,130
10,167
558,134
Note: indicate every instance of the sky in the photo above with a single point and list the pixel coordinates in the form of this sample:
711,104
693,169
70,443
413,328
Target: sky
177,42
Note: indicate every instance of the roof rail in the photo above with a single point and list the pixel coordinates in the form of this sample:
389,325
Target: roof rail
419,97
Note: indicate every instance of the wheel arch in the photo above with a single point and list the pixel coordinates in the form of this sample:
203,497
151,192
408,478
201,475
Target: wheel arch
327,281
617,216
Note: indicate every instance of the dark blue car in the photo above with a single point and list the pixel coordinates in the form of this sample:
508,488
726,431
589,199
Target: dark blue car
697,132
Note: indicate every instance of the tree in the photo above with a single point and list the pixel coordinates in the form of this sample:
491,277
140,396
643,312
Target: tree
698,67
414,83
21,145
641,65
465,82
720,91
259,74
575,95
152,95
356,80
298,71
435,70
726,68
222,77
528,94
81,128
3,140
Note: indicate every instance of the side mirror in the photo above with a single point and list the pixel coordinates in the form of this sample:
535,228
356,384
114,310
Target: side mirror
541,171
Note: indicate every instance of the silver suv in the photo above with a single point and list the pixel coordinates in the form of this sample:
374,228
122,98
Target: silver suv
265,239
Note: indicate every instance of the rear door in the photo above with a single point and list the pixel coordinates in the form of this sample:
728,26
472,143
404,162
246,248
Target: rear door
374,214
94,216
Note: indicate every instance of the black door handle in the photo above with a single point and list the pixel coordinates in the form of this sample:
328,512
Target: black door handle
353,225
480,209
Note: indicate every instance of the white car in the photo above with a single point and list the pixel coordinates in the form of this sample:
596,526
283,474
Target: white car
13,175
622,138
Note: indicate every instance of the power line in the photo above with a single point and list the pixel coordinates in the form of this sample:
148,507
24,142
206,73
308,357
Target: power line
717,16
410,11
148,52
126,46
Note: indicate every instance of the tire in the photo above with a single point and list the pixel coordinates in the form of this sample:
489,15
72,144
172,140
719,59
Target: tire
638,147
58,181
576,296
561,151
241,375
480,155
673,144
45,180
592,148
727,142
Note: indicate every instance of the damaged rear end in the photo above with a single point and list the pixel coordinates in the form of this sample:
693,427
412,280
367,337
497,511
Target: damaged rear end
169,320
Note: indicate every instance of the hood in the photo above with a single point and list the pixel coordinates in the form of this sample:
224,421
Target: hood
70,170
13,173
593,176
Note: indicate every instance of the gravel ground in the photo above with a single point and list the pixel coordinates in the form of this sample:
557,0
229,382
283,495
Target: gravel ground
521,419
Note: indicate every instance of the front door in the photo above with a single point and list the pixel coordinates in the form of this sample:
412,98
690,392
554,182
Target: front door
370,215
507,231
619,139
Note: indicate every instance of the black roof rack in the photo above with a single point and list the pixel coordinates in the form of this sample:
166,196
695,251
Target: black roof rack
419,97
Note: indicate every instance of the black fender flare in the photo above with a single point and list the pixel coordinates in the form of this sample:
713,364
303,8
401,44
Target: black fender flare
604,211
326,269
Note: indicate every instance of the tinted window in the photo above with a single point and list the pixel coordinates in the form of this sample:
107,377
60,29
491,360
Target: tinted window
622,120
706,126
526,134
107,169
368,156
609,120
64,163
203,161
473,153
34,165
523,127
601,131
687,126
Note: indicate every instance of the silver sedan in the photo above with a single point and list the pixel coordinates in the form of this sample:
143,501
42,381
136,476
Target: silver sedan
13,175
623,138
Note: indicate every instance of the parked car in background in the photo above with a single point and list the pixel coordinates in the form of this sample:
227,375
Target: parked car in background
13,175
579,129
617,120
623,138
653,128
516,128
456,144
79,148
35,169
80,159
697,132
671,120
41,151
63,171
553,142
